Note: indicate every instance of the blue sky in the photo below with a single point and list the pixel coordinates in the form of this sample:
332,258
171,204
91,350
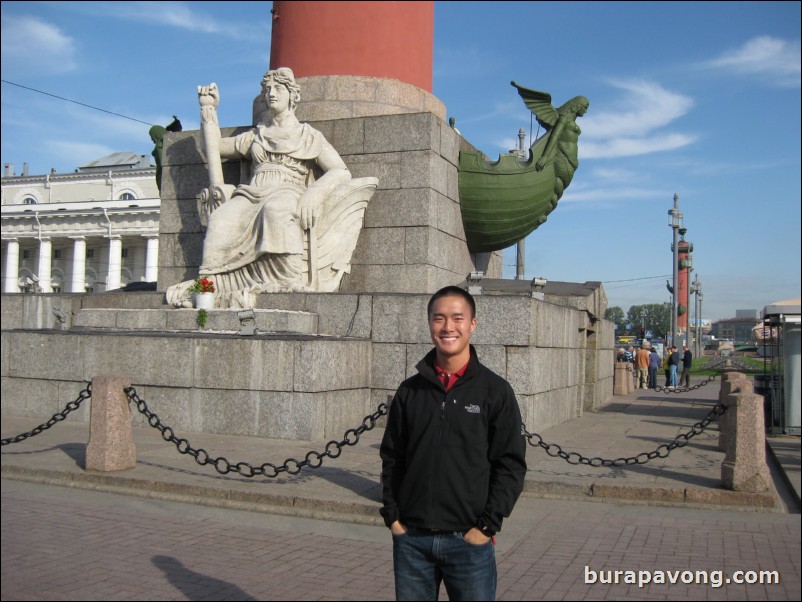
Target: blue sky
699,99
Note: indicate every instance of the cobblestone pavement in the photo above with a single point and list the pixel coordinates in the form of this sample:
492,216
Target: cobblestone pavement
69,544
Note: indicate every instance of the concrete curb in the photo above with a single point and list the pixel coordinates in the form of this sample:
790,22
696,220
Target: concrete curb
368,512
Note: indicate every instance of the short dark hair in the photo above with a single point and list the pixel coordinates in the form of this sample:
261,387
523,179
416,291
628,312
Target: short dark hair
452,291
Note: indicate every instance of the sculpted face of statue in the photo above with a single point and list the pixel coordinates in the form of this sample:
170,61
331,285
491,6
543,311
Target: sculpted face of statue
278,79
277,97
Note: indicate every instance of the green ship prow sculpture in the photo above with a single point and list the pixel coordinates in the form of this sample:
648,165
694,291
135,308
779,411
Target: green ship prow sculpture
504,201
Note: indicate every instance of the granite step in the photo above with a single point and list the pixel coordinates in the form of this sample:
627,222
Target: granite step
264,321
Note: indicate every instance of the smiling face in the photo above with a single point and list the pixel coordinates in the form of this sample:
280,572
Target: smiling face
451,323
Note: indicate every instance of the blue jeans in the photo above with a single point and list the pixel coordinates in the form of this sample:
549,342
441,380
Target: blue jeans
673,368
422,560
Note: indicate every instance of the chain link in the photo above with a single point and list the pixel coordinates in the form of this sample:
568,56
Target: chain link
57,417
222,465
707,381
333,448
661,451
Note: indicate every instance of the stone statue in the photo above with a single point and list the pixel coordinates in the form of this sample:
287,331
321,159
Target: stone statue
157,134
293,224
503,201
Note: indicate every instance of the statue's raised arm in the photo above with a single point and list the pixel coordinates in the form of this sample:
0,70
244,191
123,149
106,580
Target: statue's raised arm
290,226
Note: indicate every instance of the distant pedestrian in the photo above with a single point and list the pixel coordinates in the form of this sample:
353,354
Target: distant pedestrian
654,364
642,364
687,363
632,368
673,366
667,366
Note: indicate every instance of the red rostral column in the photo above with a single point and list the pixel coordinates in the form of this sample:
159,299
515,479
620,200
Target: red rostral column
392,40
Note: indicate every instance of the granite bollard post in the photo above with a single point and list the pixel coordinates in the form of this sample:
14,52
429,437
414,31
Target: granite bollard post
744,467
731,383
622,381
111,441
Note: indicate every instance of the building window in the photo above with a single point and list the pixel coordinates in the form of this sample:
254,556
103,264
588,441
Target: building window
56,253
90,253
127,196
26,254
124,253
29,200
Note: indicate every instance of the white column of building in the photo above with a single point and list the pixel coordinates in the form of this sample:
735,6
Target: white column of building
152,259
11,278
114,277
45,264
78,265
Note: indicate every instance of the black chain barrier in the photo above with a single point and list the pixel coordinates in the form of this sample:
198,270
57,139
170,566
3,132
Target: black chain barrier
334,448
661,451
292,466
707,381
711,365
57,417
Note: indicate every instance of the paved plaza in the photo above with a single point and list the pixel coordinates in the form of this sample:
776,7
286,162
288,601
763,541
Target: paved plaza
170,529
73,544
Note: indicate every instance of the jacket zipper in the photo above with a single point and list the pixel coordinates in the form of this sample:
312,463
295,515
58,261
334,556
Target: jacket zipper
438,444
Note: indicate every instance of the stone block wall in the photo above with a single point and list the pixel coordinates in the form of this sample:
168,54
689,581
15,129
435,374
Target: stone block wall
558,359
297,388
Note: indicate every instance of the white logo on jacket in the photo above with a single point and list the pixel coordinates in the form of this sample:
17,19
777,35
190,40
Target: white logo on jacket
473,409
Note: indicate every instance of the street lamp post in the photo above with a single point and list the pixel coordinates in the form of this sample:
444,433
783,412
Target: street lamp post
643,325
675,223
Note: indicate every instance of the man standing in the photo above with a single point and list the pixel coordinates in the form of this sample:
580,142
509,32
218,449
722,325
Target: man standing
642,363
673,366
453,462
687,362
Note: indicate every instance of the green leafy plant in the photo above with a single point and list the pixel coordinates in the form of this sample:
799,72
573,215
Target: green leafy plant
202,317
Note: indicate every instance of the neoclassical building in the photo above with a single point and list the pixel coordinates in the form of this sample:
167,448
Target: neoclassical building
93,230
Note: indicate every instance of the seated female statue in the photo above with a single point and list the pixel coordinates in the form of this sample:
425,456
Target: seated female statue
254,241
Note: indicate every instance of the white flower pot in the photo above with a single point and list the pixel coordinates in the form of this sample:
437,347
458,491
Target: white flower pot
204,300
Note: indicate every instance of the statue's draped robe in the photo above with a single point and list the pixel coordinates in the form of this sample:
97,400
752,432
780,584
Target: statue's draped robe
254,240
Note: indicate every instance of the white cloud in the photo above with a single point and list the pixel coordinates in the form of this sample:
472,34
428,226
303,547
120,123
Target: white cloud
772,58
593,194
631,129
646,107
78,153
178,15
615,175
32,45
627,147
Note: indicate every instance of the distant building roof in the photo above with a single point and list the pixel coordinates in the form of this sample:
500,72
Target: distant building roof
117,161
736,321
789,306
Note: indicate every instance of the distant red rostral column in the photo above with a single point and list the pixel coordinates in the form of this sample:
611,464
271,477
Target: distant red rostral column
357,58
393,40
683,284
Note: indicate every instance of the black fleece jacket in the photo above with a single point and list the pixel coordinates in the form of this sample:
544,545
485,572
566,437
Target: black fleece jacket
452,460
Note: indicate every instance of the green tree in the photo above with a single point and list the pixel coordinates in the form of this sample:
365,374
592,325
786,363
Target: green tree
616,315
654,316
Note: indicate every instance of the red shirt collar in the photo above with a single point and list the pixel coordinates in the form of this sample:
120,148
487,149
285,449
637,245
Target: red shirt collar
448,379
